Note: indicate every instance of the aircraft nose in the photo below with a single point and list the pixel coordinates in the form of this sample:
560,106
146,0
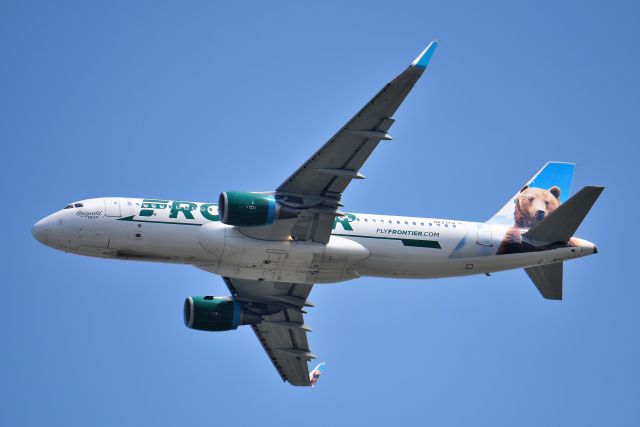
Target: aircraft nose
40,231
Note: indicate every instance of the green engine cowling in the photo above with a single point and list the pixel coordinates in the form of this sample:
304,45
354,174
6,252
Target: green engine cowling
216,314
247,209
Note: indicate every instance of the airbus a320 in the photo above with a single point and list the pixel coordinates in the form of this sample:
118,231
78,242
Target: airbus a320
272,247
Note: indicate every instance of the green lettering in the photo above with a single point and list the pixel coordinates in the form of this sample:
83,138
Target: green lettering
204,210
344,221
149,206
184,207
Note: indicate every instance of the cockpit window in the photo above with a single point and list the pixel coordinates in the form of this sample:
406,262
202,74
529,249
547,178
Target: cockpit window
74,205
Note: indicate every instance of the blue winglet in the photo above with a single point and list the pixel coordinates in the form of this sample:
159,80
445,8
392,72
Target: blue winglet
425,56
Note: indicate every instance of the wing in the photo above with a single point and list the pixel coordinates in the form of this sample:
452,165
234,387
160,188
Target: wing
283,334
328,172
320,181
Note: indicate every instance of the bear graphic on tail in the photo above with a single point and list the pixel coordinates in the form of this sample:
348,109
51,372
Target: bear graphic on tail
532,205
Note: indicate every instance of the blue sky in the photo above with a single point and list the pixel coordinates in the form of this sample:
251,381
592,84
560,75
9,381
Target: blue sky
183,100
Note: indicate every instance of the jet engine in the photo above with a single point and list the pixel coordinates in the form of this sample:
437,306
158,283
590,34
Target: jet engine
216,314
251,209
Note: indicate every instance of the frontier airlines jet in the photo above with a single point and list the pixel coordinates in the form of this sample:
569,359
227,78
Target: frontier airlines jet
272,247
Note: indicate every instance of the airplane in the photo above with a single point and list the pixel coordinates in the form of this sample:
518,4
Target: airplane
272,247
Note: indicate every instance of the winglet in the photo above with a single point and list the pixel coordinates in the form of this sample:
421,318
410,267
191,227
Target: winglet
314,376
425,56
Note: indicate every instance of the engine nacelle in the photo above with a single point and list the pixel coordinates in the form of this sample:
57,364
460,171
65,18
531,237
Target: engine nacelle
244,209
216,314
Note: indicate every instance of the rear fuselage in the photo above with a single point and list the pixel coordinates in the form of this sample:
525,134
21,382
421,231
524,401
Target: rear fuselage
360,244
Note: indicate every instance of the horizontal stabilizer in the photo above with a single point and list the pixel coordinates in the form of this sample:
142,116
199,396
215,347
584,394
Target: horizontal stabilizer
562,223
548,279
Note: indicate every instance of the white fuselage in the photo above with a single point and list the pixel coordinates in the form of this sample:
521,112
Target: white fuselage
360,245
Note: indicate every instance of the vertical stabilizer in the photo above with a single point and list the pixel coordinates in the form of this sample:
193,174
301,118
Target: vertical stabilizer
554,176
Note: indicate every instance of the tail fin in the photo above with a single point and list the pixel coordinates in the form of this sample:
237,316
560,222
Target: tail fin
553,174
562,223
548,279
314,375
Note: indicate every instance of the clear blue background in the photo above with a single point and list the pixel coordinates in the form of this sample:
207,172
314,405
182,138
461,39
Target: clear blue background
183,100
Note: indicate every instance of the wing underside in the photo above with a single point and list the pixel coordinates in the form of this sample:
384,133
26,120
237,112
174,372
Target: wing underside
282,334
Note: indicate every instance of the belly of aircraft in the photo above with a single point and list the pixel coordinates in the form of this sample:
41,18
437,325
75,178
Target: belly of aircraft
236,255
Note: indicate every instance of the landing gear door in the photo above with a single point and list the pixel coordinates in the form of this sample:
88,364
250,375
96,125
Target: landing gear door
484,235
112,206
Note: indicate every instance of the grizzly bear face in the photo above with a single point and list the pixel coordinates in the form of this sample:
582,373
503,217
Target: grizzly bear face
534,204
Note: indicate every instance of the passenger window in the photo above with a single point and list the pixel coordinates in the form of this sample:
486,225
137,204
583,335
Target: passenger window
366,220
422,224
414,223
430,225
398,222
406,223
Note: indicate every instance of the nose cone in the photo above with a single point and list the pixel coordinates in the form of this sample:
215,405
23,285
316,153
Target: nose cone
40,231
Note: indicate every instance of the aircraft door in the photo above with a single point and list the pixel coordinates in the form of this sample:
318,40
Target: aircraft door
112,206
484,235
